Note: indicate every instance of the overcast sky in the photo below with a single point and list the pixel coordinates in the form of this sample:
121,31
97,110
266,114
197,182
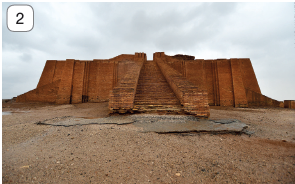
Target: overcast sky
263,32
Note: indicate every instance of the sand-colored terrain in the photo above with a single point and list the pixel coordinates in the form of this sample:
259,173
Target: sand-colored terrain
34,153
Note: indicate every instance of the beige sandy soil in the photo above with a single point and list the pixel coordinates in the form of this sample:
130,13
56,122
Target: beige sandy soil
122,154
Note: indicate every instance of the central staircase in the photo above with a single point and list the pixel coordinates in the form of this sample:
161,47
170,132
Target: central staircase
153,93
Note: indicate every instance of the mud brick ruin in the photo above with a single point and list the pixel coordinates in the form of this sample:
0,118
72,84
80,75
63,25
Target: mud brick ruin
289,104
131,83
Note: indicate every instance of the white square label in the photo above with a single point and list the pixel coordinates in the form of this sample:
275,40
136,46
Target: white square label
20,18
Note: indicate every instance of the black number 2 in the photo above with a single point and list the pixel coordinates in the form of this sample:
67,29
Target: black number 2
22,16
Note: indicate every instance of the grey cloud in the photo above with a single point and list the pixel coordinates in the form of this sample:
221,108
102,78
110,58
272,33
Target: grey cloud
262,32
26,57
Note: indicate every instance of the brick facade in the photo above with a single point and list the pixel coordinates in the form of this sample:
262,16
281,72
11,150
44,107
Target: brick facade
289,104
228,82
131,83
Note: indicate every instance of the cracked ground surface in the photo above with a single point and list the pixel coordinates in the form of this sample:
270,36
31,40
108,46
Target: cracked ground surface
155,123
111,153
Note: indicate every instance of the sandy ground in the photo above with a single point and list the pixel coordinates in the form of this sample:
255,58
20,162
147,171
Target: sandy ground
122,154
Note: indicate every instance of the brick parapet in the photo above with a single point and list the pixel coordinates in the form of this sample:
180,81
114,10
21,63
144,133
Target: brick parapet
177,63
193,99
122,96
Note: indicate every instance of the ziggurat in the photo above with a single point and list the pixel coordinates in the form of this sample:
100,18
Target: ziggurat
131,83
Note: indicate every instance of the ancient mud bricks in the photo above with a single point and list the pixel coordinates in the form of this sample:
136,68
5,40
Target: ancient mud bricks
129,82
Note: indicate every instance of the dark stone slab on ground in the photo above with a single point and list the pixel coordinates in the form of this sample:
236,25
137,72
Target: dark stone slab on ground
156,123
74,121
181,123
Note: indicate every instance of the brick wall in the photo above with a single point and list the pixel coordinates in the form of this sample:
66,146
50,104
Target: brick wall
86,81
225,82
65,85
59,67
47,74
78,81
248,75
257,99
215,82
289,104
205,74
222,78
195,73
92,82
176,63
240,99
45,93
82,81
104,80
123,67
210,81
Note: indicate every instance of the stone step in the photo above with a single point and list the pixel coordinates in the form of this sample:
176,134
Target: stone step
153,92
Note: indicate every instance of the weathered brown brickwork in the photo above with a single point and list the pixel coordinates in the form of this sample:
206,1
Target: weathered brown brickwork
47,74
195,68
123,94
289,104
193,99
131,83
239,93
211,82
78,79
46,93
225,83
257,99
74,77
65,86
248,75
92,80
226,80
59,67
